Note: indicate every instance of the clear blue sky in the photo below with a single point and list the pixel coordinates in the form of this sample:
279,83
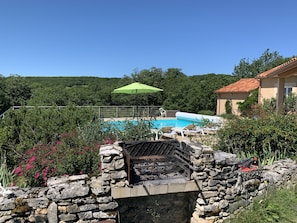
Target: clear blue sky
113,38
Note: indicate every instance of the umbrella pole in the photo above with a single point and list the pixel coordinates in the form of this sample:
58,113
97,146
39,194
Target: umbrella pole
137,112
136,97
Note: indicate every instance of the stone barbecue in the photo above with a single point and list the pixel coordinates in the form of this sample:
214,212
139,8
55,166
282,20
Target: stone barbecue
185,182
154,162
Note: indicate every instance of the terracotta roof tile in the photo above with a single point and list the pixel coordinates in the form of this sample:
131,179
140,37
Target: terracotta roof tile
266,73
244,85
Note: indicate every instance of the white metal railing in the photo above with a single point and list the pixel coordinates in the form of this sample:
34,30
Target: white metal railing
107,111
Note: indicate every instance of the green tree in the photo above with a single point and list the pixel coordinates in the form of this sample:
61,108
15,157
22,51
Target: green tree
2,95
175,86
202,91
266,61
14,90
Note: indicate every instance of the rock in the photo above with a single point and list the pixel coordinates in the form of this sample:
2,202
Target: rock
38,202
53,181
223,158
201,201
108,206
88,207
212,183
85,215
208,194
71,190
104,199
223,204
118,175
6,205
68,217
105,215
111,150
52,214
73,209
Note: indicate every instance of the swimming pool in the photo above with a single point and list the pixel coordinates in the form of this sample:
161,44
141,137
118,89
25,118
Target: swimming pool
182,119
173,122
160,123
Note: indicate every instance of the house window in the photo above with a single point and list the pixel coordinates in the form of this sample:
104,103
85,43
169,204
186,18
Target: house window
287,91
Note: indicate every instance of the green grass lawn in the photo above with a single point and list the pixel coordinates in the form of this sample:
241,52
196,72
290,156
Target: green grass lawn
279,205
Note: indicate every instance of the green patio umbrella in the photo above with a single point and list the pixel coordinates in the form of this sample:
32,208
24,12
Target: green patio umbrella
136,88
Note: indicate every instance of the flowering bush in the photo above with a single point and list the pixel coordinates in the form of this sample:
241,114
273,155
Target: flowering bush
76,152
71,155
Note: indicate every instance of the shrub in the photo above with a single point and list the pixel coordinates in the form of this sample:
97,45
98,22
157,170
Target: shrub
68,156
23,128
228,116
289,105
135,131
76,152
273,136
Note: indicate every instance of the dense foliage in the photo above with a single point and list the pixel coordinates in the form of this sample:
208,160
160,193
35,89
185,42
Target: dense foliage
183,93
45,142
14,90
269,137
23,128
246,107
70,155
266,61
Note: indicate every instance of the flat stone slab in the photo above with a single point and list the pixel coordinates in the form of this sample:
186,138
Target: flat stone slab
153,189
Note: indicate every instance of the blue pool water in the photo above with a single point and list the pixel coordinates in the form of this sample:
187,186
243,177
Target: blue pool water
173,122
160,123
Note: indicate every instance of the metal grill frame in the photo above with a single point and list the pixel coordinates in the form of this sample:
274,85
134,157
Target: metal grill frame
157,150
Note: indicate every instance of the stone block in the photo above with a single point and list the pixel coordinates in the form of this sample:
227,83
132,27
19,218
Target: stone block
208,194
52,214
85,215
104,199
6,205
78,177
105,214
199,175
120,192
53,181
108,206
110,150
212,182
40,202
119,174
73,208
71,190
88,207
67,217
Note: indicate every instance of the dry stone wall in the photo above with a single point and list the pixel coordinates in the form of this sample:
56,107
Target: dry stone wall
80,198
65,199
223,189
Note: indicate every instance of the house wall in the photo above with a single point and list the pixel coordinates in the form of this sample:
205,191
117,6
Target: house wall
268,87
234,98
